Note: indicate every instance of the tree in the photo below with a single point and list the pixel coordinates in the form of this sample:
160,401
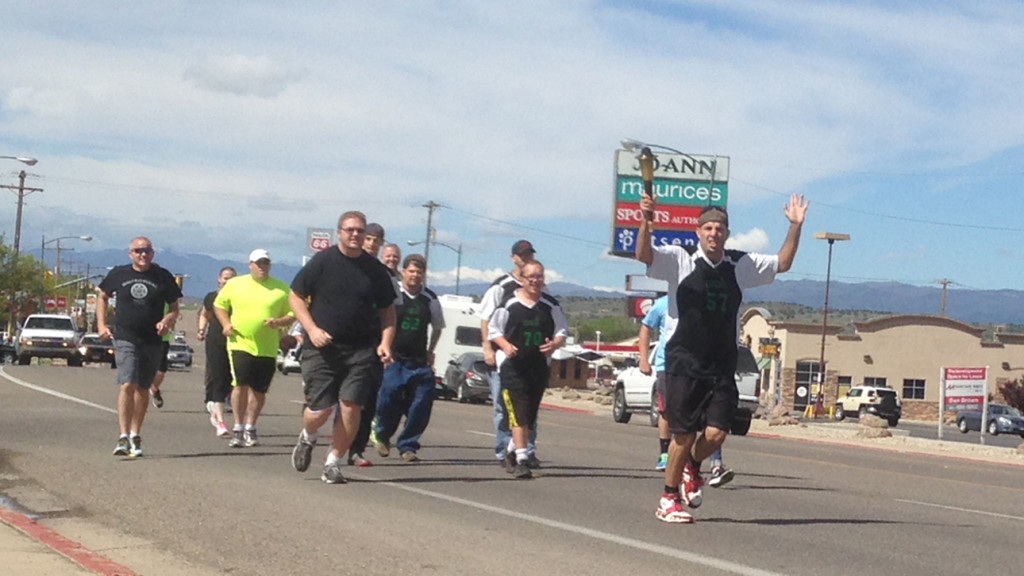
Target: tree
1013,393
22,282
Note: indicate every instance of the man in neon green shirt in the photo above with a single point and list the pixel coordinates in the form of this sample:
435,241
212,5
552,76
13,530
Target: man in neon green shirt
253,309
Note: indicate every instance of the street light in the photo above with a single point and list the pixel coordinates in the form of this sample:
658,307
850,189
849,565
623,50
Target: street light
22,159
831,237
42,250
458,265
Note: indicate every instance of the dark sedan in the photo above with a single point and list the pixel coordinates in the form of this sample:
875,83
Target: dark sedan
467,378
93,349
1002,419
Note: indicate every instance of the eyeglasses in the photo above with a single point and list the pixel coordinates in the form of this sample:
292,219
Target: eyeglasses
534,277
142,250
353,231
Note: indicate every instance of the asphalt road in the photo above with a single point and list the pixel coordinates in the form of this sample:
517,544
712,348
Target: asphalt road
794,508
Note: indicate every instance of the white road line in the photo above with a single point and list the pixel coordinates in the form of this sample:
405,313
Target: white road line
699,559
54,393
956,509
491,434
710,562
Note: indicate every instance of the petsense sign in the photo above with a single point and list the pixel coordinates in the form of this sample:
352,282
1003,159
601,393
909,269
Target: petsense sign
683,185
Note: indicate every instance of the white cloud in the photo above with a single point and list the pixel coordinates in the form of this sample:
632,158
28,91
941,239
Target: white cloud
242,75
754,240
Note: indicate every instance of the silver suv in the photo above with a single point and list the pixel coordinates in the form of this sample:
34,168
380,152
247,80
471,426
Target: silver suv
48,336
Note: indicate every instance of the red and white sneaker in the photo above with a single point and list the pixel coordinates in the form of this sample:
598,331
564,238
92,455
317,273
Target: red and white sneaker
222,430
691,491
670,510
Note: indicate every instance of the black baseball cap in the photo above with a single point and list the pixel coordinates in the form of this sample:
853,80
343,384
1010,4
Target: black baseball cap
522,247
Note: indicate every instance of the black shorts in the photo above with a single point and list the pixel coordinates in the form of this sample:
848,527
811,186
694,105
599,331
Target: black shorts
256,372
692,403
334,373
522,389
165,346
218,373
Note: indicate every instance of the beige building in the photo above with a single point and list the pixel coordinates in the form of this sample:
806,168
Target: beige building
906,353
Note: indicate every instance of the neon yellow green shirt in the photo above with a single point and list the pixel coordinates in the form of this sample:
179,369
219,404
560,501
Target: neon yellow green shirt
249,303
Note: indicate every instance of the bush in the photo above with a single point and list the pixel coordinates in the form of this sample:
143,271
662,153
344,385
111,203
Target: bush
1013,393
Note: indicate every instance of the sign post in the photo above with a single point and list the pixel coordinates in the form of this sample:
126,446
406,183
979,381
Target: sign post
964,388
683,186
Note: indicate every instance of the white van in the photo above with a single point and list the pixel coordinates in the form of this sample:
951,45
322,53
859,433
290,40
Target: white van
461,333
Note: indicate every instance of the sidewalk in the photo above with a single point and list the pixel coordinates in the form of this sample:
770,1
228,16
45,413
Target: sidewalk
28,548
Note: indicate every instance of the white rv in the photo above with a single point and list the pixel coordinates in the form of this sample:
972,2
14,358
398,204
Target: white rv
461,333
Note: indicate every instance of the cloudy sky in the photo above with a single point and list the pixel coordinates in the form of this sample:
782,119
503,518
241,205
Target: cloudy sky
215,127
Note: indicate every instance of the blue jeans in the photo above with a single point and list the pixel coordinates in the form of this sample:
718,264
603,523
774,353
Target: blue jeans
502,435
406,390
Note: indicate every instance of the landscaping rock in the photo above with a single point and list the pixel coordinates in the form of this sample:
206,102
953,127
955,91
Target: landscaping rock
866,432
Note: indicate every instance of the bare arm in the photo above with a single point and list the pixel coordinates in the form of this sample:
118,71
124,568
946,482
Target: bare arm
795,210
166,324
224,318
387,334
101,316
644,346
643,251
488,346
317,336
202,323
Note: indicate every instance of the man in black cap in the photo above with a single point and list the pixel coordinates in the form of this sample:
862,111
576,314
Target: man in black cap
706,284
505,285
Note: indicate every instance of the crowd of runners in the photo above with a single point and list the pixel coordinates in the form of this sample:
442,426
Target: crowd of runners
367,327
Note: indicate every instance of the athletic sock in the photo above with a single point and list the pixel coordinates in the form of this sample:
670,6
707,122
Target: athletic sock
250,426
331,459
237,428
310,438
671,489
663,443
521,455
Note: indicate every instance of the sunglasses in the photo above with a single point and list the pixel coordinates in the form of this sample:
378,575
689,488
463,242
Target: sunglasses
142,250
353,231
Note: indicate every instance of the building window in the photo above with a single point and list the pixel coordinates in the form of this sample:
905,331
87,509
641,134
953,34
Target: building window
806,376
913,389
874,381
844,383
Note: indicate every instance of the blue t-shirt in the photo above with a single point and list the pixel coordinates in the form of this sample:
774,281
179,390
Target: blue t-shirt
657,319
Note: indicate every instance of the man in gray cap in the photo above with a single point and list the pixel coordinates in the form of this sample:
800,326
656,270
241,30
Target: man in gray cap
500,290
252,310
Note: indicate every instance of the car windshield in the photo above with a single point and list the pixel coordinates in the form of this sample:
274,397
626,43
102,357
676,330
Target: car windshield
92,340
179,347
50,323
745,363
1000,410
468,360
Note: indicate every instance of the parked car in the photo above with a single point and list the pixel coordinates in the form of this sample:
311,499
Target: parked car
467,378
93,349
288,362
1002,419
877,400
179,354
634,392
48,336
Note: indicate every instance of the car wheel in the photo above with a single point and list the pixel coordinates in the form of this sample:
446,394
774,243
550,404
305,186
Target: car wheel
861,412
993,428
76,362
654,409
893,422
619,412
840,413
460,394
24,360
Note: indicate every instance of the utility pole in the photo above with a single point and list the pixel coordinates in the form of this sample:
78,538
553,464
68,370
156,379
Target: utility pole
944,282
430,206
22,192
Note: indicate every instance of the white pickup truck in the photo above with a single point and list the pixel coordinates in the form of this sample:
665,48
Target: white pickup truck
634,392
48,336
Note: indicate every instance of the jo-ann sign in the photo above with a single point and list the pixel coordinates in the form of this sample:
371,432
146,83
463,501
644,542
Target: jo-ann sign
683,185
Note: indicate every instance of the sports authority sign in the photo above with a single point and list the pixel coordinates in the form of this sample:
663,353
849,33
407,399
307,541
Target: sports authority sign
683,185
964,388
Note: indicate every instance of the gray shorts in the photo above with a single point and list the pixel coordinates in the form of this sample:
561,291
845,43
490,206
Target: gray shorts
332,373
137,363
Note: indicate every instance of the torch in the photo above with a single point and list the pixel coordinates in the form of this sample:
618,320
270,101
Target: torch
647,173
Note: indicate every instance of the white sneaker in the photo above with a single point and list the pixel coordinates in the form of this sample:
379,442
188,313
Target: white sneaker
670,509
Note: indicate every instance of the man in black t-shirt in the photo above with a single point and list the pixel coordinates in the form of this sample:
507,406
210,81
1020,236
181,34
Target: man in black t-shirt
218,368
408,384
344,299
142,289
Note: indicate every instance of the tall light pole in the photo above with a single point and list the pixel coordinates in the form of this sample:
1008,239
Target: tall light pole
458,265
42,252
831,237
22,192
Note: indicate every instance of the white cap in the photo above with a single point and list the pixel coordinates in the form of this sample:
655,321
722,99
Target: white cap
259,254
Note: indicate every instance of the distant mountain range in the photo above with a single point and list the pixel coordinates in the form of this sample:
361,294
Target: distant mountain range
972,306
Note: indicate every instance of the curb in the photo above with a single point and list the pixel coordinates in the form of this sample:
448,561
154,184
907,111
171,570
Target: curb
87,559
